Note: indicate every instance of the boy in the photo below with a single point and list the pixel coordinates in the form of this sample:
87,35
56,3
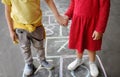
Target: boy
25,26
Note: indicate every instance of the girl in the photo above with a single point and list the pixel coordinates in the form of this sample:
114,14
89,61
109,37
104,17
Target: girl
89,19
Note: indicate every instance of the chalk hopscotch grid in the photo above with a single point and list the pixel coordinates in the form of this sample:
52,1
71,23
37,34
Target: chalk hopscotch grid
86,56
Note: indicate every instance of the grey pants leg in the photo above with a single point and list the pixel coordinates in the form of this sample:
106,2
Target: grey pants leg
39,45
25,44
36,38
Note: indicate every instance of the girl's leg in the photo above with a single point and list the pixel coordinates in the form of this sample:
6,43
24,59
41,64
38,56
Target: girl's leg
93,67
92,55
79,55
77,62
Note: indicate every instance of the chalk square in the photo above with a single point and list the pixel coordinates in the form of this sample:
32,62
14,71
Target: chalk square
83,70
52,30
43,72
57,46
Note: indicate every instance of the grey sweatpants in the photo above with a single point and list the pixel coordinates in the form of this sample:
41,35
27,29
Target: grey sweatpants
26,39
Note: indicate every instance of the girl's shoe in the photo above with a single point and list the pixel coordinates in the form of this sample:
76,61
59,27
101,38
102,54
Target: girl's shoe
77,62
93,69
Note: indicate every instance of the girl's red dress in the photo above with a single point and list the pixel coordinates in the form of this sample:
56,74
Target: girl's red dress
87,16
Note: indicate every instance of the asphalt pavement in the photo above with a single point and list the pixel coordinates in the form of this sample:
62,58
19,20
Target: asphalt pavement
11,60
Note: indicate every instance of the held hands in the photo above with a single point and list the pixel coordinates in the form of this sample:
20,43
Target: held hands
96,35
66,18
62,20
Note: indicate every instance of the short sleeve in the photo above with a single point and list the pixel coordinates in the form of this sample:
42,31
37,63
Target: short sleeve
6,2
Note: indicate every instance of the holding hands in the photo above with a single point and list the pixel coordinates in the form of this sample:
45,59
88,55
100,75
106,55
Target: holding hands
62,20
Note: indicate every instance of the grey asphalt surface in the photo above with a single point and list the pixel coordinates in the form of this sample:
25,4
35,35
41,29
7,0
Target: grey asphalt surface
11,60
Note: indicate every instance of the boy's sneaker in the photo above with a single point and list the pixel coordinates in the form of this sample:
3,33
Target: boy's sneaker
29,69
93,69
47,65
77,62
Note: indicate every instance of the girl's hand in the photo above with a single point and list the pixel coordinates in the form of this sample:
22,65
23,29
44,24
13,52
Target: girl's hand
96,35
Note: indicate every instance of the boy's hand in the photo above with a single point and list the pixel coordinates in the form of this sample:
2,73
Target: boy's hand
14,37
96,35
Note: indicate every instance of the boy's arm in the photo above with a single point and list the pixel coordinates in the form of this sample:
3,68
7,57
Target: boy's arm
10,23
52,6
8,17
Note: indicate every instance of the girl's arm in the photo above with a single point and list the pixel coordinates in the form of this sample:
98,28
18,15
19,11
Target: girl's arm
70,10
52,6
103,15
10,23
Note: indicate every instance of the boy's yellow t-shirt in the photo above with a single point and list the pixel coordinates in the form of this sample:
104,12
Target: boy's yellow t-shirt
26,14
